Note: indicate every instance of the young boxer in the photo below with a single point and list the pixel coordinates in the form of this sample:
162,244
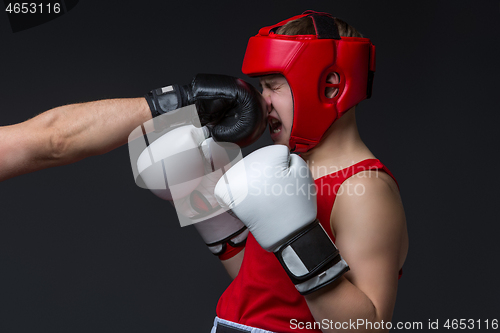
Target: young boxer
314,69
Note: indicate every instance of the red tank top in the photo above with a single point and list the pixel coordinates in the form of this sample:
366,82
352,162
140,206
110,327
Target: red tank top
262,295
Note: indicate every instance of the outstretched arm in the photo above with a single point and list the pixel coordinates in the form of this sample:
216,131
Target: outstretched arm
69,133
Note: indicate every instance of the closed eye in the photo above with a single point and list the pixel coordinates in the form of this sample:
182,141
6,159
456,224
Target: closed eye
275,87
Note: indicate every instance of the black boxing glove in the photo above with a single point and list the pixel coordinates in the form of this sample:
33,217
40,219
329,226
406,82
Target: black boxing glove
232,109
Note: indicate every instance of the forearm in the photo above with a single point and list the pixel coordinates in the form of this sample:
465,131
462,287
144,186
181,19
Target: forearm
342,302
69,133
233,264
93,128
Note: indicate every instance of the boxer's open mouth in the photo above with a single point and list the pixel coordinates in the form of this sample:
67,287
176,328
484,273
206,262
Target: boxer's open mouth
274,125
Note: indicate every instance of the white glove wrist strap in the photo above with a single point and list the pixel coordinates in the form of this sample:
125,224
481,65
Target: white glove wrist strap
310,259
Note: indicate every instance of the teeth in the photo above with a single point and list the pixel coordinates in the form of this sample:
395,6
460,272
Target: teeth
275,125
274,121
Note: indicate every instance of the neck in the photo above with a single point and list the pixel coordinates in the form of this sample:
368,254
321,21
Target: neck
340,147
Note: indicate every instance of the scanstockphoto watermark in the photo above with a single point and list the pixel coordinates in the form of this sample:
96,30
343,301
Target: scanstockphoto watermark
359,324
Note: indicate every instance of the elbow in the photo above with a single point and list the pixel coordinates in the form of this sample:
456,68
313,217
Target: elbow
65,149
58,147
378,322
372,320
52,144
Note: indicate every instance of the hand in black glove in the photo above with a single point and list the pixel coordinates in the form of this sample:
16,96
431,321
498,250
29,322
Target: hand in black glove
231,108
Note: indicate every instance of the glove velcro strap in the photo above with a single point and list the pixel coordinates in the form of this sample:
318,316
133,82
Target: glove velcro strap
310,259
323,279
166,99
238,239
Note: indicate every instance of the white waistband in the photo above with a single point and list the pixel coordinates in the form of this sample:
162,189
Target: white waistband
244,328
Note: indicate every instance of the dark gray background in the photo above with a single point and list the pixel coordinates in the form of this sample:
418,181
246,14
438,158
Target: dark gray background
82,249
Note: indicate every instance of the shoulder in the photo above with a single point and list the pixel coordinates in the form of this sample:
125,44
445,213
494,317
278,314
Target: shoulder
368,192
368,210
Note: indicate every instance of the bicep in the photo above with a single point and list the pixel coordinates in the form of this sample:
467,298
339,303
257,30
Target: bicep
369,234
374,272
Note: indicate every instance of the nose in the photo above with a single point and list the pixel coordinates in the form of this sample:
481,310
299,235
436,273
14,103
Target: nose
267,99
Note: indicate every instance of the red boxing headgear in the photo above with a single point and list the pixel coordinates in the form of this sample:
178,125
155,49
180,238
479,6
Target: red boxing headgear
306,61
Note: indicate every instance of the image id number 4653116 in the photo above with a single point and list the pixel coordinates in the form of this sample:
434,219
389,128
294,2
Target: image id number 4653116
33,8
463,324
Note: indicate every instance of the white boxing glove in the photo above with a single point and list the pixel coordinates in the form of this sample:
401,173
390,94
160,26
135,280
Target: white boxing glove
224,234
172,166
273,194
184,166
